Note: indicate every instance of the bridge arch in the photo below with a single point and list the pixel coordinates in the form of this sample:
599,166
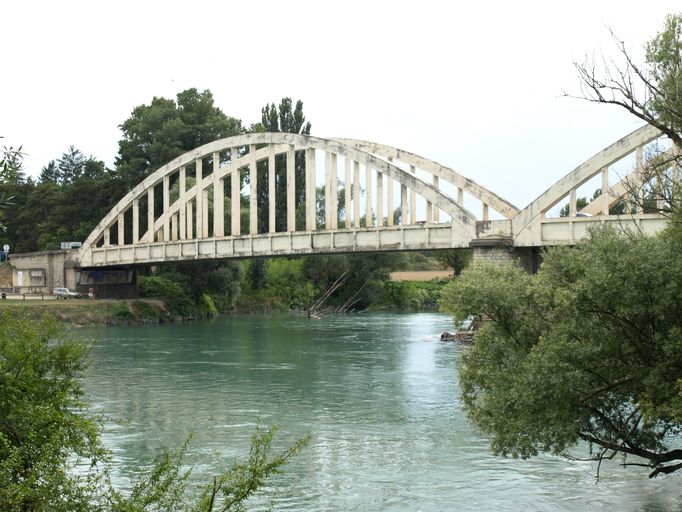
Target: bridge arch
193,218
488,198
531,227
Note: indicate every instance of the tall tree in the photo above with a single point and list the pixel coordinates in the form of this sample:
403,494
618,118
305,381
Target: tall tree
155,134
70,166
287,119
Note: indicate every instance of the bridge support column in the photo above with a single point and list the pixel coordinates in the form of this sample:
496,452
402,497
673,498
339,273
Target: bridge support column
501,250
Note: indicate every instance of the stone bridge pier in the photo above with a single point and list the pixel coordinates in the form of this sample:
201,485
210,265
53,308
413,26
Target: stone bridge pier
497,250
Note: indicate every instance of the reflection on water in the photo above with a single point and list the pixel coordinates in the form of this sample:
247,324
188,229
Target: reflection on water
377,392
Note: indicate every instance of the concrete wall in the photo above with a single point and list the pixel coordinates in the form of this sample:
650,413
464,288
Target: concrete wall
41,272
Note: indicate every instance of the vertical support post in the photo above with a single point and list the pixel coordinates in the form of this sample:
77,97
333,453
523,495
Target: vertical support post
436,210
429,212
486,211
166,206
271,190
356,194
253,194
218,199
368,196
403,205
121,231
136,220
199,196
204,216
572,204
380,199
346,193
291,189
236,196
150,214
460,196
174,227
107,236
190,220
327,189
604,191
389,201
413,199
181,202
640,190
334,192
310,198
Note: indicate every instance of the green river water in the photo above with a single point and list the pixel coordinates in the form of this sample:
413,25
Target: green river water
377,392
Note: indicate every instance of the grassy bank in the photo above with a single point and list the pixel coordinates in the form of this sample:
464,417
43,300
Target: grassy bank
95,312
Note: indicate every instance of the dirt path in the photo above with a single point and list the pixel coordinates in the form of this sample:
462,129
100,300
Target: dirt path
420,275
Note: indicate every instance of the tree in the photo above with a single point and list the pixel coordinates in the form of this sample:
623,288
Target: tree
70,166
46,430
286,120
652,93
589,349
456,259
157,133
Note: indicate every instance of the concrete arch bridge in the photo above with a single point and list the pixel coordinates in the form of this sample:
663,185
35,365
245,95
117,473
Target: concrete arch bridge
270,194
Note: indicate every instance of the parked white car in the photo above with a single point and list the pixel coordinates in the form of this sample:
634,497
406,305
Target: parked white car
65,293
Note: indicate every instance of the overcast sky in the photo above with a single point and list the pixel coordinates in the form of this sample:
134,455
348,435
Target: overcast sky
476,86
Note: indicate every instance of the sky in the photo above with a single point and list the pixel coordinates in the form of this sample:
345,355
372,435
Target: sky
476,86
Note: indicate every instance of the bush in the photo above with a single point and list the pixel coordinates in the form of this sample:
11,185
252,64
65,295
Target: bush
146,311
121,312
411,294
182,307
157,286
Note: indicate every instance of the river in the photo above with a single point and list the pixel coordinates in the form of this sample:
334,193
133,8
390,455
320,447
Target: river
378,393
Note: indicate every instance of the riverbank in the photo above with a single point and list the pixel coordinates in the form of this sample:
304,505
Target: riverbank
82,312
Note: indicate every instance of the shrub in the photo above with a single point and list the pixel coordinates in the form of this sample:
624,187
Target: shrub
157,286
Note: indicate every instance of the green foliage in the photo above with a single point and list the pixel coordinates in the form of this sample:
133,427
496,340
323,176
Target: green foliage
182,307
456,259
207,305
145,311
46,431
158,286
408,295
44,428
155,134
287,283
11,165
664,58
121,312
588,349
289,119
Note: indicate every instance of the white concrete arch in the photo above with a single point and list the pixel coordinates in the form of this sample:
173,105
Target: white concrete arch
487,197
188,219
531,228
